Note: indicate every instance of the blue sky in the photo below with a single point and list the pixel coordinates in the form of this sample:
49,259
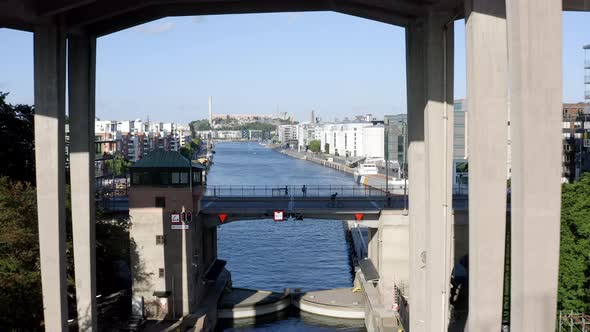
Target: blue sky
335,64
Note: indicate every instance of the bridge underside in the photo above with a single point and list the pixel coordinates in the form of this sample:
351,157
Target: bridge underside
254,208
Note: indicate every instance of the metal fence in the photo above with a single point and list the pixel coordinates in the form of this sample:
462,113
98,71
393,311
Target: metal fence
324,191
573,322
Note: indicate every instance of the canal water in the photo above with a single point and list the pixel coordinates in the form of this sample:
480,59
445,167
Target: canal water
306,254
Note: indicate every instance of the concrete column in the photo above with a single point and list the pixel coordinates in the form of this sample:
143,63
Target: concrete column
373,246
535,73
50,72
81,79
438,138
415,71
487,75
393,253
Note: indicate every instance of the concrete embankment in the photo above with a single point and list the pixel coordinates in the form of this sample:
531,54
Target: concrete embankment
323,162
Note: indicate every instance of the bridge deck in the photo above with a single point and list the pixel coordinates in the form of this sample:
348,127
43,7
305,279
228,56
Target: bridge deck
347,208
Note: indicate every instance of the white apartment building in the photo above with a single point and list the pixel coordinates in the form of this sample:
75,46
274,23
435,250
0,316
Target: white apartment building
287,133
352,139
134,138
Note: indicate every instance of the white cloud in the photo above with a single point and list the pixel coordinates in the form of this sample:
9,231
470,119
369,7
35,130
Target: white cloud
155,28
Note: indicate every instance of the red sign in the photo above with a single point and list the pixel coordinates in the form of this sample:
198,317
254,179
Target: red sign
222,217
175,217
359,216
279,215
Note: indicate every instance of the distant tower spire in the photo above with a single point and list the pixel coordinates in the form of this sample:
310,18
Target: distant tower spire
210,111
312,116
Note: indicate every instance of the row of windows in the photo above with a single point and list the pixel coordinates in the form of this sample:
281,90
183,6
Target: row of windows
164,178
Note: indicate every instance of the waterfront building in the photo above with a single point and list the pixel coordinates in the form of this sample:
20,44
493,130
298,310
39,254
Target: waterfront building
287,133
576,141
346,139
306,132
397,128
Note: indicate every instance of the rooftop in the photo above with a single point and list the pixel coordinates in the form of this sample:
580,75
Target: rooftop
161,158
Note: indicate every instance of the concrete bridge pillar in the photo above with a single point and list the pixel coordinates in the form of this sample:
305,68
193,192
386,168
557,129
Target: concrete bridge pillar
438,138
487,77
81,77
415,78
535,62
50,84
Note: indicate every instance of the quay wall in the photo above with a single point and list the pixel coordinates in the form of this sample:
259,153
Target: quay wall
323,162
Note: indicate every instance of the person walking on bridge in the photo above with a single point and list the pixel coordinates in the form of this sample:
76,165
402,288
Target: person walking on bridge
304,191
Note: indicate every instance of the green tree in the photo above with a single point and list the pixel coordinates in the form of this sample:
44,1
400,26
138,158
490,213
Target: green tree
199,125
20,274
315,145
17,149
574,265
118,165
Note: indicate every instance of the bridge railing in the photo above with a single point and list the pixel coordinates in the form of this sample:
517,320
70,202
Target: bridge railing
298,191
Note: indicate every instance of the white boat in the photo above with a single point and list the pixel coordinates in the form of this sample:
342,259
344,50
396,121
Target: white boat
366,169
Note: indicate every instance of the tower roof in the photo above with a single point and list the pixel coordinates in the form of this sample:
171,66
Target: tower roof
161,158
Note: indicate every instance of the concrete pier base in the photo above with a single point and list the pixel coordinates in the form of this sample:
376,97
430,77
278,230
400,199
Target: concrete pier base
340,303
246,303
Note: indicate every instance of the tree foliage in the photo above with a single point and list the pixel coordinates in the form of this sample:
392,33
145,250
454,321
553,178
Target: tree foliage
199,125
118,165
16,141
20,274
574,267
315,146
190,149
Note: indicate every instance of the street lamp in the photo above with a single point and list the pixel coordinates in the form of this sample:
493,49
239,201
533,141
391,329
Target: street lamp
405,163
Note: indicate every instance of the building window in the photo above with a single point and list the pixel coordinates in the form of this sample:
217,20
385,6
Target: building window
161,202
161,239
184,177
175,178
196,177
165,178
161,273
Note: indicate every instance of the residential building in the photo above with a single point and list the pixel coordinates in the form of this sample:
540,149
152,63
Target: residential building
287,133
576,141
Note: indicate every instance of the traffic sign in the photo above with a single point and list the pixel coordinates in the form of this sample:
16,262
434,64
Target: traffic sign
175,217
222,217
279,215
359,216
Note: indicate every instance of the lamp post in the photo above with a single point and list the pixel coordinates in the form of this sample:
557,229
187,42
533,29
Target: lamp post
405,163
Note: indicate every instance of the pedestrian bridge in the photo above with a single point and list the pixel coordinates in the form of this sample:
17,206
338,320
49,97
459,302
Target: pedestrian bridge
224,204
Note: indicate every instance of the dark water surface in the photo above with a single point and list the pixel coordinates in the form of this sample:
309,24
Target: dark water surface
308,254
